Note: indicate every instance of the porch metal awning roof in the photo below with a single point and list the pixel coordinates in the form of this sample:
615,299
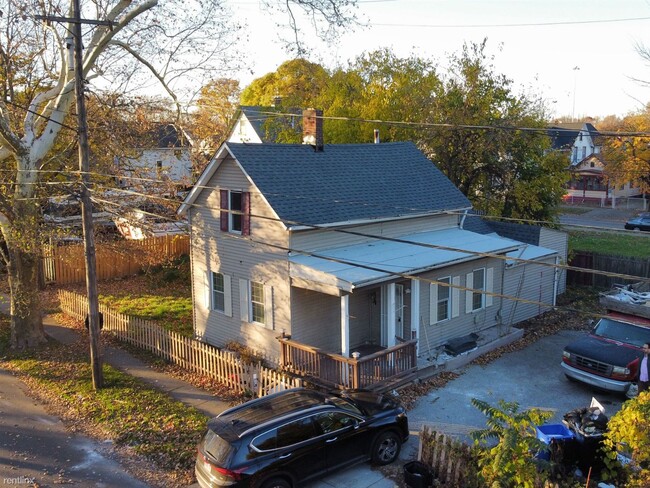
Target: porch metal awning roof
342,269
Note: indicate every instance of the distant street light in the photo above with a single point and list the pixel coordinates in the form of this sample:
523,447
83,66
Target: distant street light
575,82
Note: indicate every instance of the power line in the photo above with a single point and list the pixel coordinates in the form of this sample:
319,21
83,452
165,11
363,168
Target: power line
419,244
521,24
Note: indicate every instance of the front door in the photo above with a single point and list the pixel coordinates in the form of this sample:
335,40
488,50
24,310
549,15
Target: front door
392,317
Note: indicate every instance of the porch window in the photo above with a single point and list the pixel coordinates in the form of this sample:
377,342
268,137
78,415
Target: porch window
479,287
444,302
235,212
479,283
220,298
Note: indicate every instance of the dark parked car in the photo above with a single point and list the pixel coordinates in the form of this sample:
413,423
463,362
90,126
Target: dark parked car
641,222
285,439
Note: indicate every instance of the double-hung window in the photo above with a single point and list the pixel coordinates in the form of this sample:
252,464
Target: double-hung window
235,212
220,298
478,287
444,302
257,302
444,299
479,293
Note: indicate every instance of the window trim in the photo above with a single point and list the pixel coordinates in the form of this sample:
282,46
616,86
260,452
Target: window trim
226,213
251,303
227,293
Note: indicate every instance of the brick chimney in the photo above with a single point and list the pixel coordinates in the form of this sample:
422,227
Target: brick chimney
312,128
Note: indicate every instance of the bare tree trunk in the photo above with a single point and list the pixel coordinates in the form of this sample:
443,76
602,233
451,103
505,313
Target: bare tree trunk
23,253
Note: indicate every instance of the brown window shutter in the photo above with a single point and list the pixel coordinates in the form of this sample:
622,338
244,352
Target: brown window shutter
246,211
223,217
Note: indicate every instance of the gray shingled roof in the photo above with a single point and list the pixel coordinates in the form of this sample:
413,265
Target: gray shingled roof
528,234
347,182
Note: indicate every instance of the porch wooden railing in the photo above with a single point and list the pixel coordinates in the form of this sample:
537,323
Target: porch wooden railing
368,371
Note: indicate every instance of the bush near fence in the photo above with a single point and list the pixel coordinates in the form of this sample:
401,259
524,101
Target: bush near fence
199,357
65,264
453,463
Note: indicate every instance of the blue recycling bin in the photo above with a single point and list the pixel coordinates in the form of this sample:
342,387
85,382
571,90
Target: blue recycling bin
552,433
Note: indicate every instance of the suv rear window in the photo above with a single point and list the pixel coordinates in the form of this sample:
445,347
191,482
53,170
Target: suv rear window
619,331
216,447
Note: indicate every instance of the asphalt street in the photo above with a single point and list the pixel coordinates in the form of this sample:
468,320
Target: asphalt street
37,450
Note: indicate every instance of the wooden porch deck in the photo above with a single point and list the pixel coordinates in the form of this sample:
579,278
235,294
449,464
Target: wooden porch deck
372,371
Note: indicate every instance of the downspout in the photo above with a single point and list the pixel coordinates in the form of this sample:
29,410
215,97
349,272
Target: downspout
462,219
556,279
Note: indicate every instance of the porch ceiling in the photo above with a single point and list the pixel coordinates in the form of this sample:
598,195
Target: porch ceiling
376,261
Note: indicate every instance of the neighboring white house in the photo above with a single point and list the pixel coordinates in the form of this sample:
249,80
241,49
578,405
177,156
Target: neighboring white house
583,143
167,161
347,248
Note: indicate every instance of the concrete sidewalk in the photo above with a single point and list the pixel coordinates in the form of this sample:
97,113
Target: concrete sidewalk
178,389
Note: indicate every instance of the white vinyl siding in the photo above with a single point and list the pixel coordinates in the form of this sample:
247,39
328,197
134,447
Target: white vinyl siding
220,293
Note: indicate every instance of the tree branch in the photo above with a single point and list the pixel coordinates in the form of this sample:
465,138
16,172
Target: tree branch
153,70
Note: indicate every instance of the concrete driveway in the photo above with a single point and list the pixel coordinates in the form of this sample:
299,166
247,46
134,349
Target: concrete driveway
531,377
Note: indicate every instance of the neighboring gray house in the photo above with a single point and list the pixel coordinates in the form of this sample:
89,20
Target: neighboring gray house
343,248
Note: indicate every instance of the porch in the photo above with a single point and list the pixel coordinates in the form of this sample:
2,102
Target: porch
375,370
385,368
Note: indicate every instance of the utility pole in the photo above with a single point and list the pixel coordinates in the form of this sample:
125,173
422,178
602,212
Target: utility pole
86,204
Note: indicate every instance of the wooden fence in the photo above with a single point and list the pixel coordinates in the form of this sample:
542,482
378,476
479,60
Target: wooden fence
604,262
450,460
64,264
223,366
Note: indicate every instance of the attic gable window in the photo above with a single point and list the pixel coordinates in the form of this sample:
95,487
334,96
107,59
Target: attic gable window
235,212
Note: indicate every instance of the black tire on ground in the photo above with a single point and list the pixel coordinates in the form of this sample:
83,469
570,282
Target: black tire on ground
386,448
276,483
573,380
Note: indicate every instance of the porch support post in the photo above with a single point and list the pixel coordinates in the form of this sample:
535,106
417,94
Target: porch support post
415,311
345,325
390,316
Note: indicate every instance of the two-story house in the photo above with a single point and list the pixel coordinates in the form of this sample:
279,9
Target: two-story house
327,254
584,146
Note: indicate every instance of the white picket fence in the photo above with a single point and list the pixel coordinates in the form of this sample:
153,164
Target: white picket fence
221,365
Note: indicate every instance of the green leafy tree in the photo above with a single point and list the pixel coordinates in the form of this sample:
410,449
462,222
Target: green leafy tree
628,432
509,444
627,157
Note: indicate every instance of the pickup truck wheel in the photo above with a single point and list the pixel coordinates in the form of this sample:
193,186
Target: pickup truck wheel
572,380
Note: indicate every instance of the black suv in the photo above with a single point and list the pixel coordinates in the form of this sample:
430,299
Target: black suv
285,439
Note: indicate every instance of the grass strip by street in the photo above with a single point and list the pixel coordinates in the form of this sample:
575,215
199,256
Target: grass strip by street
615,244
136,417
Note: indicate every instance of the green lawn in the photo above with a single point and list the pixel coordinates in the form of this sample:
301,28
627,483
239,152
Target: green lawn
628,245
168,311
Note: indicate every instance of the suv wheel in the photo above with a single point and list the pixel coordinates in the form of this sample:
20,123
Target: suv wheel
386,448
276,483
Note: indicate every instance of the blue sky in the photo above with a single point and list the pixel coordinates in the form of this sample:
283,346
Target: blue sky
536,43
